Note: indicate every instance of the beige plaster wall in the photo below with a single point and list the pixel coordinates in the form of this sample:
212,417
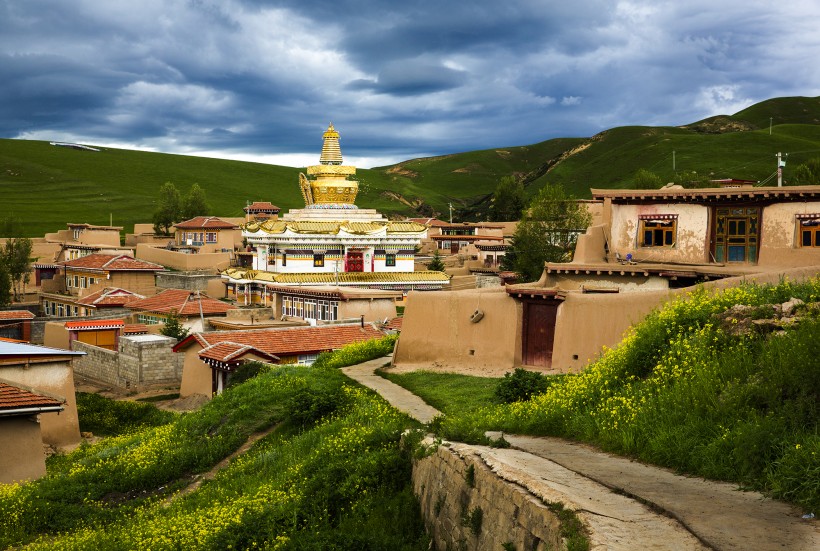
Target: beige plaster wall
196,375
692,244
55,378
22,457
182,261
625,283
142,283
376,309
779,242
591,247
55,335
437,330
588,322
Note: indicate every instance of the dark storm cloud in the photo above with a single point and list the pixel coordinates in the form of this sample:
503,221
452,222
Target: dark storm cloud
397,79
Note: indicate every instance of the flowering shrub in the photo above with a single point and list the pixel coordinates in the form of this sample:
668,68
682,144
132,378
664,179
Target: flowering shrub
357,352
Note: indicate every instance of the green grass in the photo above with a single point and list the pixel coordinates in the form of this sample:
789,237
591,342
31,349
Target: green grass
105,417
48,186
449,393
322,479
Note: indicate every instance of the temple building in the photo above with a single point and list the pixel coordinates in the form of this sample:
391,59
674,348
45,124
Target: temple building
330,242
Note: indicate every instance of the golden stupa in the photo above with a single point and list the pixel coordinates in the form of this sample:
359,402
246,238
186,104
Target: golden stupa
327,183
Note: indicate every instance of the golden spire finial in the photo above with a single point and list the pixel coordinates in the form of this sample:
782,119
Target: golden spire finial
331,152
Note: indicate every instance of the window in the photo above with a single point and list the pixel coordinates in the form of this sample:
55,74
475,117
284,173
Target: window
389,259
809,230
77,232
306,359
210,237
310,309
284,259
82,282
658,230
318,260
61,310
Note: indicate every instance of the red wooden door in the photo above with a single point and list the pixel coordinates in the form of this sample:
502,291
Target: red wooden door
539,332
454,247
355,262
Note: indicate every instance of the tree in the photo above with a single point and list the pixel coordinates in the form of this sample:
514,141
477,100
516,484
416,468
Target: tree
5,285
436,264
547,232
195,204
645,179
509,200
808,173
173,327
169,209
16,258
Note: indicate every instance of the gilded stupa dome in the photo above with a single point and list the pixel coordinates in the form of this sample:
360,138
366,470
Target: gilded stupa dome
326,184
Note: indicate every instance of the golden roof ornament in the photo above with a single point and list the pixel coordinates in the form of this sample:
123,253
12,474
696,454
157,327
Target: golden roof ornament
329,186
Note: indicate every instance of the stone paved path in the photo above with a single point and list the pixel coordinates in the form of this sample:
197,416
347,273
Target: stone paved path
626,504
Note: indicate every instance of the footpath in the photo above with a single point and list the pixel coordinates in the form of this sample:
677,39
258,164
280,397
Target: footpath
625,504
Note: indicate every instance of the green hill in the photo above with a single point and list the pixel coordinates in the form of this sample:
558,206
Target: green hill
47,186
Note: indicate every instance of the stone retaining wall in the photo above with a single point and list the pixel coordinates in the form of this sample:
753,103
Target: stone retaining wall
466,506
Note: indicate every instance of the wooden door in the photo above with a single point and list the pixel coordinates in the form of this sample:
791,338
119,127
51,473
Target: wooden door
538,332
454,247
355,262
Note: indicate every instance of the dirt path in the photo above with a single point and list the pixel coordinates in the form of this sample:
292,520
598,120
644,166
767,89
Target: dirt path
627,505
200,478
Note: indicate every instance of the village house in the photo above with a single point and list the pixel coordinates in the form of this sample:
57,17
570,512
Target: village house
192,307
648,246
23,457
16,324
207,234
210,358
46,371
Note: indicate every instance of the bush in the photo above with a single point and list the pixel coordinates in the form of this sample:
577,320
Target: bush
520,385
105,417
356,353
246,371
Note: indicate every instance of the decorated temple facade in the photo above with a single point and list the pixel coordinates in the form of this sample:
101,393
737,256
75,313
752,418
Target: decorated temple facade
331,241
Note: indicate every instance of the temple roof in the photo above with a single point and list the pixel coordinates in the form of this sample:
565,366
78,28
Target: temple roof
331,278
333,227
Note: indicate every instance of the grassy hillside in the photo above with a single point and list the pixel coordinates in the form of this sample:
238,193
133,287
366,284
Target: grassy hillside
714,384
331,474
47,186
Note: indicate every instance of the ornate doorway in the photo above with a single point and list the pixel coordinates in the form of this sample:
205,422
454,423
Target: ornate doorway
736,234
354,262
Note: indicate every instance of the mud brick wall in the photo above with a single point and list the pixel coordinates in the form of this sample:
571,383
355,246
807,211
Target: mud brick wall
453,486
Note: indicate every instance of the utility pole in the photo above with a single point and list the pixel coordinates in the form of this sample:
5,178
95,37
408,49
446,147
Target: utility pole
770,126
451,213
781,162
673,160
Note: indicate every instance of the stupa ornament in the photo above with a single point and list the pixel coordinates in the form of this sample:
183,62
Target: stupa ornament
326,184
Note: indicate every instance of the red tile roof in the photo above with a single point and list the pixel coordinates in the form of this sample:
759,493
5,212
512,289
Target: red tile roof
394,324
110,296
112,262
16,315
13,399
94,324
205,222
134,329
261,206
290,341
229,352
186,303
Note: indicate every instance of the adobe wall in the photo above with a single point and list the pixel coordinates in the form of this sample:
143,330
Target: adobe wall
196,375
137,282
181,261
779,242
692,239
586,322
437,329
56,379
509,513
22,457
142,360
376,309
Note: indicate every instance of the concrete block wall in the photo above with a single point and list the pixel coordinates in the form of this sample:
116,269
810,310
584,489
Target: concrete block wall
137,363
190,281
98,363
452,486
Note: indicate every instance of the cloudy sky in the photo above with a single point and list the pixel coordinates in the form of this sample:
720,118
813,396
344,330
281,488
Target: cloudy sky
260,80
